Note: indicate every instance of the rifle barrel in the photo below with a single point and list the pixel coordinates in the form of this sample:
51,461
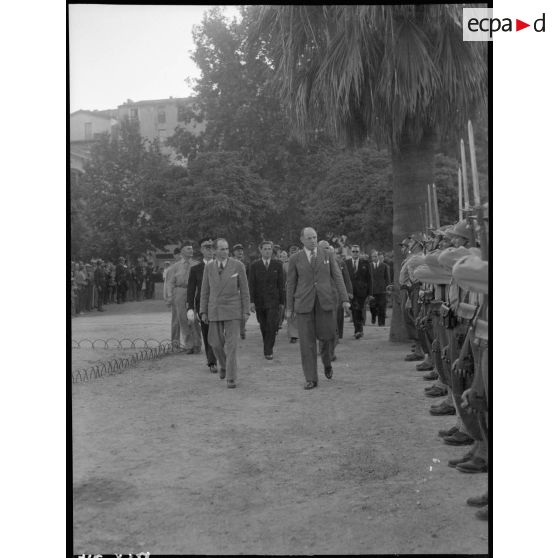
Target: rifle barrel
464,171
474,171
460,193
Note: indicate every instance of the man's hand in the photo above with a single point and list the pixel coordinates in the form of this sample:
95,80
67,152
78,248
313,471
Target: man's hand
252,307
350,296
347,305
168,302
465,398
204,318
247,316
190,315
289,314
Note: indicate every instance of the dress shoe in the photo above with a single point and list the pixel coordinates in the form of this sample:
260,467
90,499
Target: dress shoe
333,358
442,409
474,465
478,501
222,373
189,351
431,376
269,357
358,334
381,324
213,368
424,366
449,432
231,384
243,336
455,462
293,339
413,356
436,391
310,385
458,439
328,372
482,513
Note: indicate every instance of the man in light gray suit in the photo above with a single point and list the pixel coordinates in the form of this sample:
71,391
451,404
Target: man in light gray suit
224,302
312,277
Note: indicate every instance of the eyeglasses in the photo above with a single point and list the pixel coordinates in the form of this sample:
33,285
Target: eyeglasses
355,251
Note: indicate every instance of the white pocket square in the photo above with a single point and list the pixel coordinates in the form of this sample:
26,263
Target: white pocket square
234,275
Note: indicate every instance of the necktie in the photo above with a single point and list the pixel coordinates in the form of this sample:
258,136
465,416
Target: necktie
313,258
355,263
221,267
266,263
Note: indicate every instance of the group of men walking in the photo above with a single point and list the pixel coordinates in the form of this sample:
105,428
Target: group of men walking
313,289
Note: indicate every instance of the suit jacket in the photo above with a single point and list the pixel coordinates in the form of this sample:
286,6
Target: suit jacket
361,278
267,286
380,278
304,283
193,292
346,277
225,296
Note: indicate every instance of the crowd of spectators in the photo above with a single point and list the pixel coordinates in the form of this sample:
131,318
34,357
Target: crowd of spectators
97,283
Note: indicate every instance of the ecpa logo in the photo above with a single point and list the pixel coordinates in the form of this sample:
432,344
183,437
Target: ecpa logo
480,25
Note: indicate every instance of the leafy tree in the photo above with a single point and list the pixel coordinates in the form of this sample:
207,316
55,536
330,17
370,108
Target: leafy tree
226,198
126,196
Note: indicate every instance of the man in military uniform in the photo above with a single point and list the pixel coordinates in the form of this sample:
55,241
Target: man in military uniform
176,297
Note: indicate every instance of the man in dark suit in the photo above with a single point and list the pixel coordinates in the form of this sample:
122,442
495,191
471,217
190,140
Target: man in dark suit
311,297
224,303
361,279
121,280
193,294
267,293
100,284
380,281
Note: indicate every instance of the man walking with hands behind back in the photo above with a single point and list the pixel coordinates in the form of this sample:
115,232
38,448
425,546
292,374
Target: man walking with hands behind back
224,302
380,281
311,297
267,293
361,279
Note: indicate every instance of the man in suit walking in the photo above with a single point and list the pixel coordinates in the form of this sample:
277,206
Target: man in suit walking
380,281
311,297
224,303
267,293
193,299
361,279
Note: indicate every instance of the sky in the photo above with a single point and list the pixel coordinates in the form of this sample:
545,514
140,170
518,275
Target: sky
120,52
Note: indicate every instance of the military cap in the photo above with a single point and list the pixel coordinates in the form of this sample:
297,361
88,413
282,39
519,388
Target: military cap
459,229
238,247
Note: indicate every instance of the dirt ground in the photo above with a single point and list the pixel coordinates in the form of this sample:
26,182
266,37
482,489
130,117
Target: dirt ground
167,460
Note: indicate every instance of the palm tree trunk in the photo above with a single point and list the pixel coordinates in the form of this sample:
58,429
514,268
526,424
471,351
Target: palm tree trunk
413,169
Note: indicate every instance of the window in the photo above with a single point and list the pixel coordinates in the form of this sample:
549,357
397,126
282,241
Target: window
133,114
161,115
88,130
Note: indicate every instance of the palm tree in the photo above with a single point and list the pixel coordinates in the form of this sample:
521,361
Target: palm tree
401,75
